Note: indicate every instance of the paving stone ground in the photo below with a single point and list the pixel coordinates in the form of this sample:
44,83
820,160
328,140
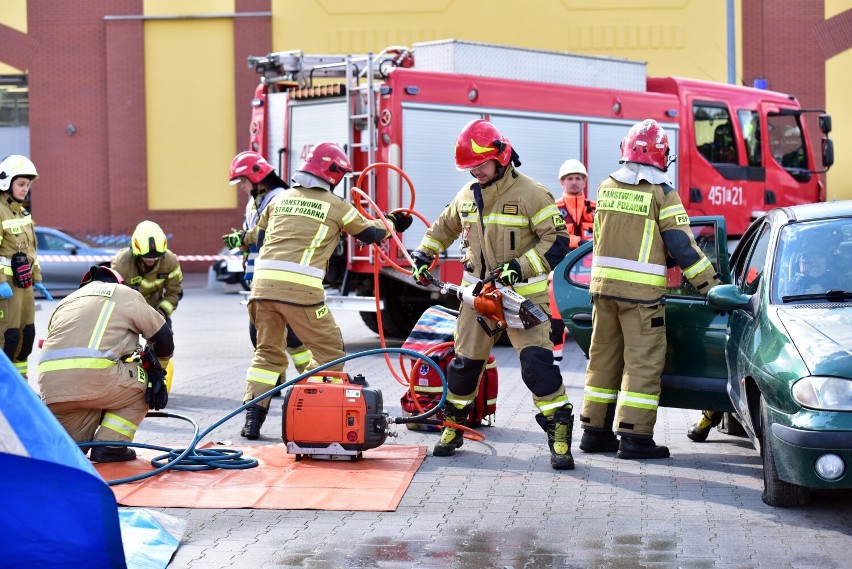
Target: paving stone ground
496,504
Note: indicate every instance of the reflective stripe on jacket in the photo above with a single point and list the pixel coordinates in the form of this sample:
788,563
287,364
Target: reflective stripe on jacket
302,228
161,285
18,234
636,229
519,221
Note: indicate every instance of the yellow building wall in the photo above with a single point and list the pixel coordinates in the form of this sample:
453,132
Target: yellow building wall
190,105
674,37
838,85
13,13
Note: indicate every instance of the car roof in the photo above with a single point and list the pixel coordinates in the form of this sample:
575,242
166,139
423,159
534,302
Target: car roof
807,212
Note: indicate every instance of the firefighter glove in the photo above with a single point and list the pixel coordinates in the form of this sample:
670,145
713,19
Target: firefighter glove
510,273
5,291
43,290
156,395
400,221
234,239
420,273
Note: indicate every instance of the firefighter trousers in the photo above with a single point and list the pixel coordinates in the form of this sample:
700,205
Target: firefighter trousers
17,328
314,325
626,358
473,346
113,416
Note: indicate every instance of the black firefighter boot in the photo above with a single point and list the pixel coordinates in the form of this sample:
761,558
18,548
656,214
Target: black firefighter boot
109,453
699,431
604,440
558,429
640,448
255,416
452,438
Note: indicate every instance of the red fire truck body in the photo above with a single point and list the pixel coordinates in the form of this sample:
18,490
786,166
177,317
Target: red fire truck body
740,151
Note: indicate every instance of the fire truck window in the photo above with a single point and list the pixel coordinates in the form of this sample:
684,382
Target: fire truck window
714,133
786,141
750,125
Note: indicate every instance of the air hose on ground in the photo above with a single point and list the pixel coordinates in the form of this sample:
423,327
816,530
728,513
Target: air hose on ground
193,458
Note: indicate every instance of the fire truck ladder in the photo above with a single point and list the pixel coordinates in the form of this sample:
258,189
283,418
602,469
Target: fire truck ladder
362,75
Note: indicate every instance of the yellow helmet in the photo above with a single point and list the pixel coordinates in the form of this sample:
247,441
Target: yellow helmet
148,240
14,166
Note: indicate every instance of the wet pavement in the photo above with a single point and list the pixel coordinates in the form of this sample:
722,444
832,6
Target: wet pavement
495,504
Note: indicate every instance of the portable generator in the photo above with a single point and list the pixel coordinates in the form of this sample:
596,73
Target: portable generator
333,416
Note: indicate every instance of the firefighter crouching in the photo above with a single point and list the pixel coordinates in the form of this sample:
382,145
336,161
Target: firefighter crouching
507,221
151,268
579,215
84,376
21,272
298,232
256,177
640,223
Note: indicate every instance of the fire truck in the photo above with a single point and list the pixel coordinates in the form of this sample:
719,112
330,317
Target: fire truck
740,151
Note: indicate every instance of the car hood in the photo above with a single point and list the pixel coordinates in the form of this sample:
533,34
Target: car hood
823,337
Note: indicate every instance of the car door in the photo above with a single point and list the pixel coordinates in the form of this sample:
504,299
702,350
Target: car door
695,373
749,275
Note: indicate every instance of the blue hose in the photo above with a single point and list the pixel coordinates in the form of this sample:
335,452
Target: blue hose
192,458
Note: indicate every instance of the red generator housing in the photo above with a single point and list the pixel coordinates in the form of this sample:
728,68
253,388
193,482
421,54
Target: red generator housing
333,416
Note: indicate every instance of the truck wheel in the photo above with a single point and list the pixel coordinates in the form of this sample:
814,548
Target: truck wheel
776,492
389,324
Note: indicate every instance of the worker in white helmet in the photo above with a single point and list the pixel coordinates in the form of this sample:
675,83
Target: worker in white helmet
579,215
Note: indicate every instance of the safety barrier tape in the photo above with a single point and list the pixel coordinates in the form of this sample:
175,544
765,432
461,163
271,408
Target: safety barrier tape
105,258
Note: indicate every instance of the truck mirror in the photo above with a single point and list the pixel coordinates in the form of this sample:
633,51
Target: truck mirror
827,152
825,123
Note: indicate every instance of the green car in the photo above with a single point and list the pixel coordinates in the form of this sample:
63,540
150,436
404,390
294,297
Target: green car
695,375
779,338
789,347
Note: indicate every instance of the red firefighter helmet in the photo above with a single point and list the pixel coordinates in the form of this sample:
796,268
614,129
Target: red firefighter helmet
646,143
102,274
328,162
480,141
249,165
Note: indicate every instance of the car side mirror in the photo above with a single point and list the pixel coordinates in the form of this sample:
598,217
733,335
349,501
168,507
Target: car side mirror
728,297
71,248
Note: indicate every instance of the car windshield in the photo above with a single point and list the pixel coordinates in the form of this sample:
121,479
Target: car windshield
814,262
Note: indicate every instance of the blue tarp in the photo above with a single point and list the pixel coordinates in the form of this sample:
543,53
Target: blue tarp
56,510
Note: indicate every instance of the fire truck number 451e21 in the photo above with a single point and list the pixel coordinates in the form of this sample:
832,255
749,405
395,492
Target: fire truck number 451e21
722,195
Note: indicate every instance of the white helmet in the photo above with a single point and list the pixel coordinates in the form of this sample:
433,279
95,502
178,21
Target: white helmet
572,166
15,165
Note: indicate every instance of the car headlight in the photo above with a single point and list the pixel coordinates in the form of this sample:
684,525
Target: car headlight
824,393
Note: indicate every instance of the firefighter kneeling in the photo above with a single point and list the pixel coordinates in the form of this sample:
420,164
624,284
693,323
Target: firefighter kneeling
84,374
508,222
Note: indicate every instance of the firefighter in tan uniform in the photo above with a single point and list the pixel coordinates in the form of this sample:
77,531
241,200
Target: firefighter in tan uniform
256,177
151,268
84,376
508,222
21,272
640,224
579,215
298,233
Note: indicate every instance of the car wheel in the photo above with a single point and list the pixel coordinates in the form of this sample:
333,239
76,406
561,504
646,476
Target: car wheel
776,492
